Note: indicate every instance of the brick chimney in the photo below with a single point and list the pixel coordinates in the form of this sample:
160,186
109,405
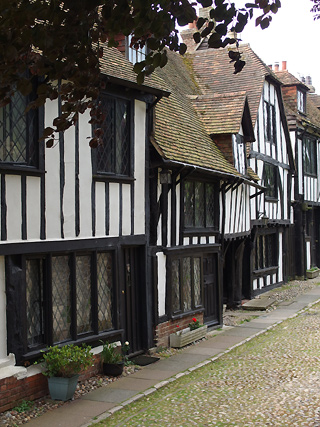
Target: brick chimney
284,65
276,66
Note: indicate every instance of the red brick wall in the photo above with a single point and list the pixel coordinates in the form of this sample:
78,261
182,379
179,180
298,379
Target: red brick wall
13,391
164,330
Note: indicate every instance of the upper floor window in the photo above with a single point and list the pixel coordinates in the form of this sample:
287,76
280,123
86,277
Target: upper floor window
199,204
301,101
135,55
269,122
310,156
239,153
19,132
113,156
270,179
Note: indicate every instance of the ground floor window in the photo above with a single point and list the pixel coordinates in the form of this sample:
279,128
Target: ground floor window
186,283
266,251
67,297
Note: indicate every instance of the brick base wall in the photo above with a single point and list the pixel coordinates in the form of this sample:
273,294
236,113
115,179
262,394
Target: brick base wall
163,330
13,390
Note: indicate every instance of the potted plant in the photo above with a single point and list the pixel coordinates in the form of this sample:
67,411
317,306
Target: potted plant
313,272
62,367
113,358
186,336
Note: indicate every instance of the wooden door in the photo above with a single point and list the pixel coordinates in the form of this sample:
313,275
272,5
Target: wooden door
210,289
133,310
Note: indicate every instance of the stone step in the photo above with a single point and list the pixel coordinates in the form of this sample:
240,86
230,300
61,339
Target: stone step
8,368
260,303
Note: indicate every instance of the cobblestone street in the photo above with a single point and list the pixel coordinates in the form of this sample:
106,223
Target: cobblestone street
273,380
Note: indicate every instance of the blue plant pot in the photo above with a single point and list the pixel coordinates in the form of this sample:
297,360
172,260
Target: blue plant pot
62,388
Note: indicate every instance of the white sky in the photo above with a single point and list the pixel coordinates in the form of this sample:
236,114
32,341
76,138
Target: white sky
292,36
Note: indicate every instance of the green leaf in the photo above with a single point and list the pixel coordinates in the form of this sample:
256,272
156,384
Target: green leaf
182,49
24,86
197,37
206,3
139,66
164,59
221,29
200,22
140,78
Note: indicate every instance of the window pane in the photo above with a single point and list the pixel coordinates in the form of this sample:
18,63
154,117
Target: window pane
83,280
270,181
210,205
199,204
197,281
188,204
61,299
186,284
105,300
175,284
122,148
114,155
34,297
13,130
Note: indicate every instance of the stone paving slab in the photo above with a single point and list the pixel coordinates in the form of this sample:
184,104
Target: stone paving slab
74,414
105,394
133,383
153,374
240,331
261,303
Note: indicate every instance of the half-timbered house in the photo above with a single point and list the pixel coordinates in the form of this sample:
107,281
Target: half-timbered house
197,194
73,222
303,118
270,157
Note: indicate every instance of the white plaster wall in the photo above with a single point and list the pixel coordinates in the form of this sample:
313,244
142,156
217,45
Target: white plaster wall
126,210
3,302
52,177
69,187
161,258
308,254
114,209
280,257
13,199
85,176
139,167
33,208
100,209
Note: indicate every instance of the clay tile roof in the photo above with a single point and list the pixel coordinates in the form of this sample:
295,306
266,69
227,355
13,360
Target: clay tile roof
288,79
179,133
221,113
315,99
214,73
119,70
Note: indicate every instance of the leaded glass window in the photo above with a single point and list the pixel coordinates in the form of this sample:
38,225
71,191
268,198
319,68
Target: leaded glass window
175,284
266,251
34,302
113,156
270,122
199,204
186,283
310,156
83,289
61,299
270,180
18,132
105,297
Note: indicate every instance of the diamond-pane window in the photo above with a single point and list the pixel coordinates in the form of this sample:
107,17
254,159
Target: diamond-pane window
113,156
175,283
34,302
18,132
83,280
199,204
61,299
105,298
186,283
197,281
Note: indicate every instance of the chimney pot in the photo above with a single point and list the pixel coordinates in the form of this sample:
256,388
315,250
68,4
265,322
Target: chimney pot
276,66
270,66
284,65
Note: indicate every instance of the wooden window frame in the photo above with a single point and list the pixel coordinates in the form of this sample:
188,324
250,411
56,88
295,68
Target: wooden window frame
301,101
21,348
181,312
310,162
263,240
111,173
194,229
270,122
272,190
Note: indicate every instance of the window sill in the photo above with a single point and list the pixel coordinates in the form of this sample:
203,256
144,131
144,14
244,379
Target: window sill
20,170
113,178
310,174
264,271
271,199
186,313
